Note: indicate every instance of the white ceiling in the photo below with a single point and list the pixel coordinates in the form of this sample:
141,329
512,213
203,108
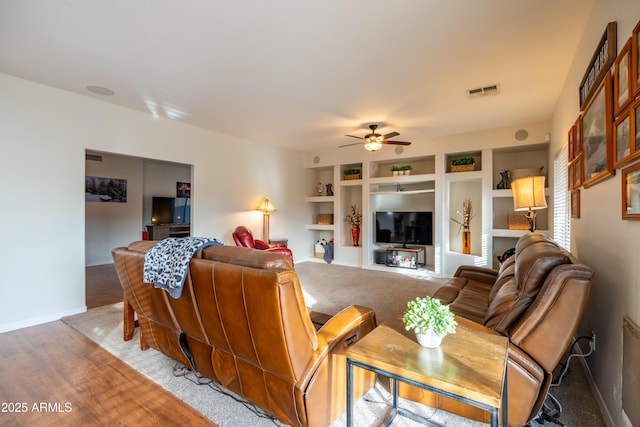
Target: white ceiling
301,74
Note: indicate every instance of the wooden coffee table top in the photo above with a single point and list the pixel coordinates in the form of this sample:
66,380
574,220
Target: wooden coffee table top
468,363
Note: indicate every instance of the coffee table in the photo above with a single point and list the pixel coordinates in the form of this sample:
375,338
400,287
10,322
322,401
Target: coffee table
470,366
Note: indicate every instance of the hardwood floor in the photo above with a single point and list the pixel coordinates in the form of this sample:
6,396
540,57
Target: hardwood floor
102,286
52,375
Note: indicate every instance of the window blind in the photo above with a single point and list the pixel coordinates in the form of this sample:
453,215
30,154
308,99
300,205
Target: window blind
561,200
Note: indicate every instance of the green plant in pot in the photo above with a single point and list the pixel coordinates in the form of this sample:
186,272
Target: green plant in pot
430,320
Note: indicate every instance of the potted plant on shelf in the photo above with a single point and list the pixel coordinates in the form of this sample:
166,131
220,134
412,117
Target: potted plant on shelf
407,169
395,170
354,219
463,164
352,173
430,320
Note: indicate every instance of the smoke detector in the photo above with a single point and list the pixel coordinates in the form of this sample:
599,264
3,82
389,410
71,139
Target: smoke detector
483,91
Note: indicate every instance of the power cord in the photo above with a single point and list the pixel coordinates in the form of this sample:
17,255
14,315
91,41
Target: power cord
565,367
179,370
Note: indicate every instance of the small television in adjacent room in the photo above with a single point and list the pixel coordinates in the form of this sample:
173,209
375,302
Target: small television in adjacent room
405,228
170,210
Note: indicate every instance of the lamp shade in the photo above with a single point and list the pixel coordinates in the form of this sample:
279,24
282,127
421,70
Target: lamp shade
528,193
266,206
373,145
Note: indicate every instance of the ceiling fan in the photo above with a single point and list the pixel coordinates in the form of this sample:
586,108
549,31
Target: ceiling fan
374,141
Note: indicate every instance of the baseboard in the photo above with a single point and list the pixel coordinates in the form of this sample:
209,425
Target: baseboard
41,319
606,415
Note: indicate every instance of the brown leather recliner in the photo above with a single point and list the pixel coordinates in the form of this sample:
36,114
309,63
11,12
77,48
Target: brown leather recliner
241,321
242,236
536,299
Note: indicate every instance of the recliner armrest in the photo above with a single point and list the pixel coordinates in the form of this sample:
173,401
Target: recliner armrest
480,274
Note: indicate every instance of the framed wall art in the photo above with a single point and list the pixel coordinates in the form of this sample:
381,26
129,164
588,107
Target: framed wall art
597,143
571,144
578,172
635,113
623,129
635,61
600,64
631,192
622,80
575,204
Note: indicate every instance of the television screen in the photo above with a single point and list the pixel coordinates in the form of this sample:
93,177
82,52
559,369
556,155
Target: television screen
170,210
161,210
404,228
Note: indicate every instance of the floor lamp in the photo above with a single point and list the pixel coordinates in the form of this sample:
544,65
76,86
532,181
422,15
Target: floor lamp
528,195
266,207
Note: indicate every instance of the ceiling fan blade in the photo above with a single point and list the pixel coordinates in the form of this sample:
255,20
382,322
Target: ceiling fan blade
390,135
353,136
396,142
349,145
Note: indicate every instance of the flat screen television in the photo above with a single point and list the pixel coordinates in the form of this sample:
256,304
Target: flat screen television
170,210
405,228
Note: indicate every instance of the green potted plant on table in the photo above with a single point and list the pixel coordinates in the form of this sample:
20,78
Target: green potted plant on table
430,320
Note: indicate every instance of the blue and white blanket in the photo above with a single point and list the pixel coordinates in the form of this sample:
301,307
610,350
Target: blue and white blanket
166,264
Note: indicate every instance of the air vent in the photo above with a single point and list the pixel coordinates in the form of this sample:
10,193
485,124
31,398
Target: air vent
93,157
483,91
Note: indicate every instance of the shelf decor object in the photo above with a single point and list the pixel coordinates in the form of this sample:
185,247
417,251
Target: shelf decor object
528,195
466,216
463,164
635,61
352,173
266,207
354,219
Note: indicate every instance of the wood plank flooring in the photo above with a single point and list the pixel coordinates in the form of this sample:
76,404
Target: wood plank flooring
52,375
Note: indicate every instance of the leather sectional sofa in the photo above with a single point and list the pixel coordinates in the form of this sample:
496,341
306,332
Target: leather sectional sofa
241,321
536,299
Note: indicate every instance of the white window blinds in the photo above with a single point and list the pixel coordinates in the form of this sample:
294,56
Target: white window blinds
561,200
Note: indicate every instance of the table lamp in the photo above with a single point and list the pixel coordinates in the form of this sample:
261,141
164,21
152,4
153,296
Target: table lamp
266,207
528,195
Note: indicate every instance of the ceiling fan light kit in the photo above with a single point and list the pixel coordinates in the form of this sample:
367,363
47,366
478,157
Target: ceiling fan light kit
374,141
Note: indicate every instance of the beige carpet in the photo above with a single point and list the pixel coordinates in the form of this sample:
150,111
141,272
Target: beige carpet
327,288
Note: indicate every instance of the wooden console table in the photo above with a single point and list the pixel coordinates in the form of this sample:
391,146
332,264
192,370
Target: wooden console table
161,232
469,366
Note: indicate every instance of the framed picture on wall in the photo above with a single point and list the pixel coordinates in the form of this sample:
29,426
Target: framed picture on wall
575,204
631,192
622,145
635,61
571,142
635,132
597,143
578,172
622,79
578,137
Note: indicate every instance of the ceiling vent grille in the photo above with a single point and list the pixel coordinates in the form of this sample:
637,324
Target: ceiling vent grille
93,157
483,91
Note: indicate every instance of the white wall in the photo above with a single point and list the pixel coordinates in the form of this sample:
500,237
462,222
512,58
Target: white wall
600,238
106,224
44,133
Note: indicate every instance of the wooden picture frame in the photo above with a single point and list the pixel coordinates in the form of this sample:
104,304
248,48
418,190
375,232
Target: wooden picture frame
571,143
578,139
597,142
635,61
635,139
623,129
578,171
631,192
575,204
600,64
622,80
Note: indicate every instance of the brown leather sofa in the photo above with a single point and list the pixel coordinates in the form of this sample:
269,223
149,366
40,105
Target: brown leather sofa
536,299
241,321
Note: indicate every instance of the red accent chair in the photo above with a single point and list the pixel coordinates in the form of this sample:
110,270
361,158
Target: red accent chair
243,237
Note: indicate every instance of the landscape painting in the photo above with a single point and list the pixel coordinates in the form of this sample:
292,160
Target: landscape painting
98,189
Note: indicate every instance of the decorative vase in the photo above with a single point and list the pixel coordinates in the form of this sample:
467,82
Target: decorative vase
466,240
429,340
355,233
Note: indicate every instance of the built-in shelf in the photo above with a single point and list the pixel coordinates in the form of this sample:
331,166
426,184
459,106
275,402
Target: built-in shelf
500,232
328,227
403,179
320,199
403,192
